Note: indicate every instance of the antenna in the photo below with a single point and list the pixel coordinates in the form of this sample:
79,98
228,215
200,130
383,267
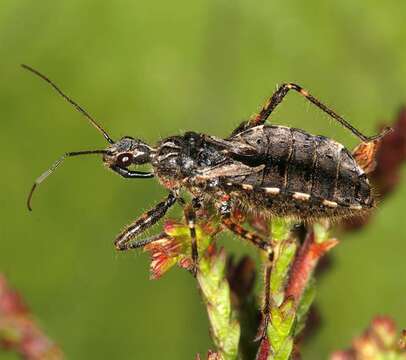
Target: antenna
72,102
58,162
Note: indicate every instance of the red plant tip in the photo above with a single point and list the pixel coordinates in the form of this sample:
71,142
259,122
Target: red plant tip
18,331
174,246
316,250
379,341
170,225
305,263
383,324
212,355
186,263
343,355
164,254
11,302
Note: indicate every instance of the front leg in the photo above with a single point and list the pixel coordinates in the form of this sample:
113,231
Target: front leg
130,174
145,221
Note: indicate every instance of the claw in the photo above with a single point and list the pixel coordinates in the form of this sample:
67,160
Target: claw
387,130
193,269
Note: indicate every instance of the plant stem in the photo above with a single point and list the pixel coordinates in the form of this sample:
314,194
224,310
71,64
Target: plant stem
225,328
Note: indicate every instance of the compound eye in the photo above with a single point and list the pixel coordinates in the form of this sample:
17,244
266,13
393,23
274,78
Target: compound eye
124,160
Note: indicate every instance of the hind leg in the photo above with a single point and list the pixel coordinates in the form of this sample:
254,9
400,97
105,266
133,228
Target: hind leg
277,98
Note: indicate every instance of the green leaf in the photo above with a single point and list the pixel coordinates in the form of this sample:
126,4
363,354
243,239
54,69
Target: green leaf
321,233
279,276
285,350
280,229
305,302
225,329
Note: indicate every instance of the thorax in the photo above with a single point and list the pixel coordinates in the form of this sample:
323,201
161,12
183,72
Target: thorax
179,158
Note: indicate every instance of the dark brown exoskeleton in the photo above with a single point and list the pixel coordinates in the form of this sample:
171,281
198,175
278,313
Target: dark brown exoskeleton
272,170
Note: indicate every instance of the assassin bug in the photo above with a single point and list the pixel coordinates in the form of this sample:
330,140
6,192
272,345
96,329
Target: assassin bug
263,169
272,169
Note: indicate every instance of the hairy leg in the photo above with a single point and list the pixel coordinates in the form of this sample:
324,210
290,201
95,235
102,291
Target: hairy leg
278,96
145,221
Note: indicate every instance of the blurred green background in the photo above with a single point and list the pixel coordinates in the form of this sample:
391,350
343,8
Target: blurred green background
155,68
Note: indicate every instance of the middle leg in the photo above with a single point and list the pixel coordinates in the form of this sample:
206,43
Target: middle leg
251,236
225,209
190,217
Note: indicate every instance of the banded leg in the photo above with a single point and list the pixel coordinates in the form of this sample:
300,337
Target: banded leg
277,98
252,237
123,240
190,216
146,241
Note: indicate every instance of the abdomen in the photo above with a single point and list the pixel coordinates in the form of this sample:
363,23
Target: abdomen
305,175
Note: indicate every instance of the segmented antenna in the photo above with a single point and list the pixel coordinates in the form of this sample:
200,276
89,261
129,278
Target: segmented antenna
58,162
72,102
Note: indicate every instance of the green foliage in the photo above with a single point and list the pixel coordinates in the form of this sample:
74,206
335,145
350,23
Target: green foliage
225,328
283,257
280,330
304,306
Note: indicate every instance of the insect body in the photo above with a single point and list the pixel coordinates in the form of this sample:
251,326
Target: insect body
274,170
305,176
